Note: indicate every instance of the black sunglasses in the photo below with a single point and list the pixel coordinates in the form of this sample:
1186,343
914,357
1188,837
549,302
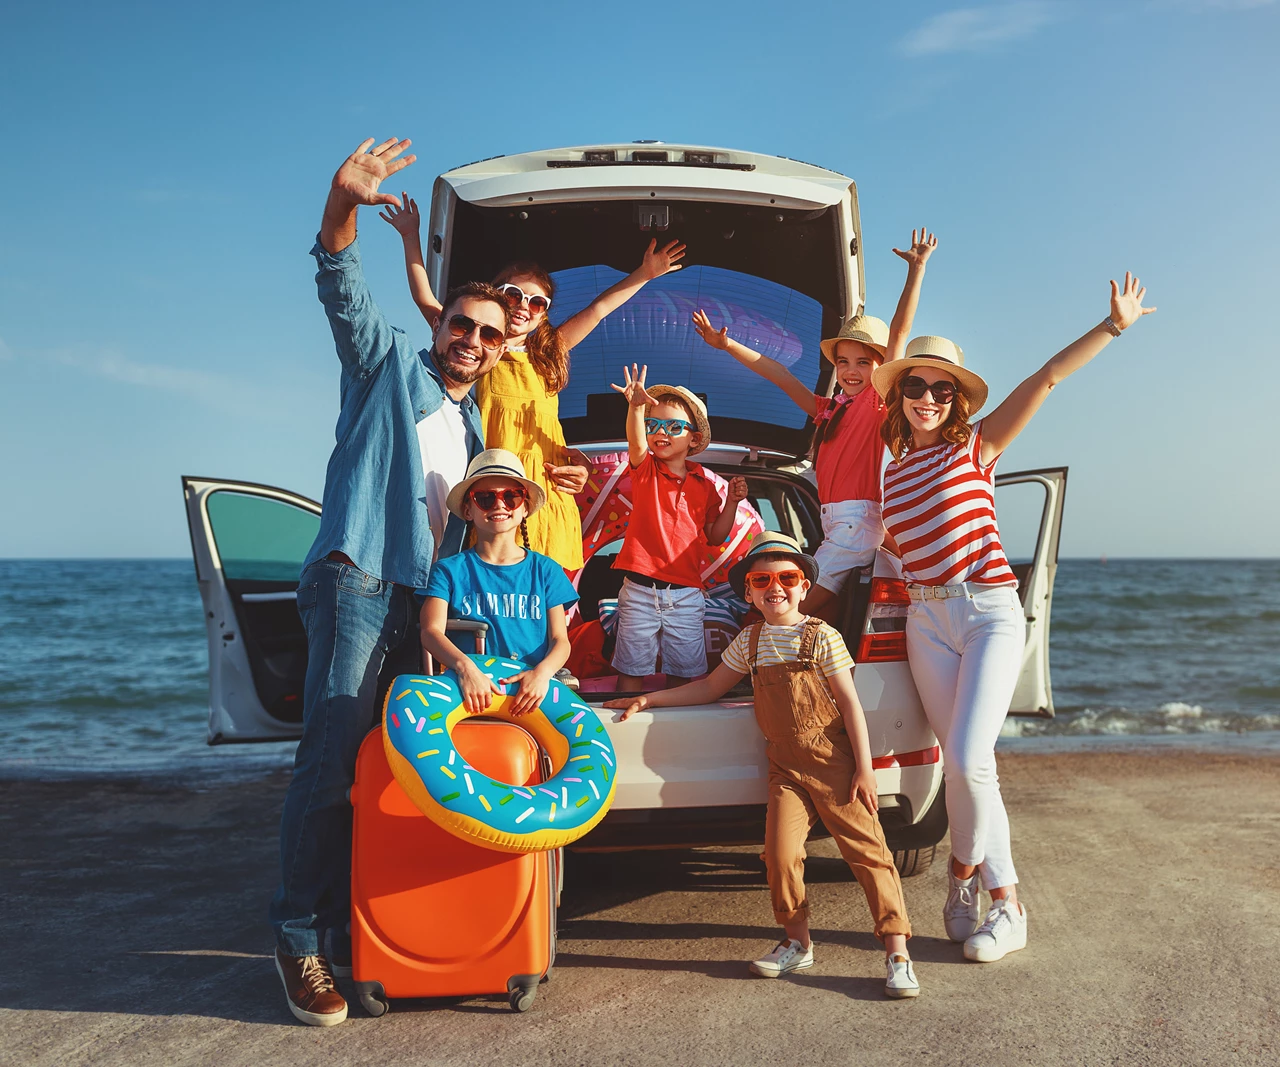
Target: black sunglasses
914,388
490,336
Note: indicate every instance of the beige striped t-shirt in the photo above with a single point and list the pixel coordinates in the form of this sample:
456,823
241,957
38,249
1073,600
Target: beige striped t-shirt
781,644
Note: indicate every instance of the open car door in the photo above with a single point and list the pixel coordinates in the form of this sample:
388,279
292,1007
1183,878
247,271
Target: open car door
249,542
1029,504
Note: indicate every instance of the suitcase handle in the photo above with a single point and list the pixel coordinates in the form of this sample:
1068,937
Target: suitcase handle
466,626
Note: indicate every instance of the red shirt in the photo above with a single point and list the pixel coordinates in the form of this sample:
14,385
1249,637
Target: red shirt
666,533
848,463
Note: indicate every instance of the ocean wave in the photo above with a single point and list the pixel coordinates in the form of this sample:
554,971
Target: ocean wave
1174,717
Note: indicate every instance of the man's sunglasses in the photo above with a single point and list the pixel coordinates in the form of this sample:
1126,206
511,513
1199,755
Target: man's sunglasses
516,296
490,336
914,388
487,499
764,579
671,427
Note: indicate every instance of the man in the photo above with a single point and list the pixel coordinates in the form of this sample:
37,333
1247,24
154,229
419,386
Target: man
406,431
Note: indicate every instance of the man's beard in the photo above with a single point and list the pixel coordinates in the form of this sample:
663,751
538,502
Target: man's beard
460,375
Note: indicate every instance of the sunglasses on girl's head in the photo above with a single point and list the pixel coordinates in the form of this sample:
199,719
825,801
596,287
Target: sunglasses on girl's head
764,579
490,336
671,427
486,499
914,388
517,296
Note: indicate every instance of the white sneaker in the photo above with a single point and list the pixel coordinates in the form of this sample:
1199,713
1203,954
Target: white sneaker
1004,930
901,979
789,956
962,913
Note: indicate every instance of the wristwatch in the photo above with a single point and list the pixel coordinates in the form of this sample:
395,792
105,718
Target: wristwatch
1110,326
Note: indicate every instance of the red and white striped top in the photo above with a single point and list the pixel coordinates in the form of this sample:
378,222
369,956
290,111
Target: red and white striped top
939,505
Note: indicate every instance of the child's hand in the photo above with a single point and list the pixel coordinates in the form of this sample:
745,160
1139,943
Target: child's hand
921,249
630,705
737,490
533,690
634,389
659,261
864,789
406,219
1126,307
571,479
477,689
715,338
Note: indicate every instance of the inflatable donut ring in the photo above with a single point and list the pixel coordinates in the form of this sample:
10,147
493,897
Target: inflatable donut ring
417,726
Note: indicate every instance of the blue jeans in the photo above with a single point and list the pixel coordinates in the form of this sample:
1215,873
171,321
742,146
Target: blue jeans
357,627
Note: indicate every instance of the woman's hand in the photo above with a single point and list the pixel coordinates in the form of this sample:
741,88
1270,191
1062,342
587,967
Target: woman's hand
1126,306
659,261
634,389
630,705
407,219
715,338
864,789
920,250
477,689
571,479
534,684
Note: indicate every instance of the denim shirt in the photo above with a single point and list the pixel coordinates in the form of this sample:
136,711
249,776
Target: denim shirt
374,506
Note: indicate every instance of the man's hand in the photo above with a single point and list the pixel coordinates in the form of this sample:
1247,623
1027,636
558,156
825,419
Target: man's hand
358,178
634,389
1126,305
630,705
406,220
570,479
921,248
703,328
737,491
659,261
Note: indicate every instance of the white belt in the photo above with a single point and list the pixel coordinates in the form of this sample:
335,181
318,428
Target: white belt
944,592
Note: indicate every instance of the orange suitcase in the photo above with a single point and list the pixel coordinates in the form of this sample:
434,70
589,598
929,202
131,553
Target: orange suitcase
433,915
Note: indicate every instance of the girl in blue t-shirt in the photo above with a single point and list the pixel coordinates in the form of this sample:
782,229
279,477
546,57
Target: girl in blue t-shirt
521,594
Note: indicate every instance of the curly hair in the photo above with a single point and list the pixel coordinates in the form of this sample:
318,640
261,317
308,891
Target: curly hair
896,430
547,350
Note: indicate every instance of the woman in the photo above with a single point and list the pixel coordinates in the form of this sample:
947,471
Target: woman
965,626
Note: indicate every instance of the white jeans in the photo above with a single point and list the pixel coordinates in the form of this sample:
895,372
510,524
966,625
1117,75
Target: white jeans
669,621
852,530
966,655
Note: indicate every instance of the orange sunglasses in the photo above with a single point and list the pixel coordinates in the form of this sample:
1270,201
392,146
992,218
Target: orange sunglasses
764,579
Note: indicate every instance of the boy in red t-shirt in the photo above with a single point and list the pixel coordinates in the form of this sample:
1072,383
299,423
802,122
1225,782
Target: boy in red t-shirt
675,510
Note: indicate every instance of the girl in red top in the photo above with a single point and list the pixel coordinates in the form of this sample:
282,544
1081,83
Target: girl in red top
847,450
965,625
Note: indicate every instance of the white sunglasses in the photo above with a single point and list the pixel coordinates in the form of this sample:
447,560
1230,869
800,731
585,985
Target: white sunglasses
516,296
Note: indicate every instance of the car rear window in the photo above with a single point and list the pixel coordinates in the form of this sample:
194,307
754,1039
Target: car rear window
656,327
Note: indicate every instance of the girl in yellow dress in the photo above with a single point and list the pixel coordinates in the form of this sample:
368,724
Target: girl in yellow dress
519,399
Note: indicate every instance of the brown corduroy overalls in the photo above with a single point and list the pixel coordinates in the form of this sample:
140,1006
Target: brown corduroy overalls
811,768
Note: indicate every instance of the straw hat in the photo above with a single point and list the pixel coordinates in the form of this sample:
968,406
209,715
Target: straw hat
771,544
495,463
698,407
865,328
940,354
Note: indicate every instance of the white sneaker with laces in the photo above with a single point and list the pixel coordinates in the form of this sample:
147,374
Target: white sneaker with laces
788,956
1004,930
901,979
962,913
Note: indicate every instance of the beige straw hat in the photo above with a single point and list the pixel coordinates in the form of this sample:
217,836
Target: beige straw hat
865,328
699,410
495,463
940,354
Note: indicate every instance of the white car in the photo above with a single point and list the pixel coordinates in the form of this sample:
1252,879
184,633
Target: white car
774,251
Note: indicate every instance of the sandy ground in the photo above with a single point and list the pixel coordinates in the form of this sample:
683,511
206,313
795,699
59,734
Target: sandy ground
136,935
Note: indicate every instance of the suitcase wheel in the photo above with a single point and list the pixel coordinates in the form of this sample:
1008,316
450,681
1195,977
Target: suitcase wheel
373,998
521,999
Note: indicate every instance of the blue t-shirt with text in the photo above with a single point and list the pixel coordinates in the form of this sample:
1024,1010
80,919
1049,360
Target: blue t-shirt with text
513,600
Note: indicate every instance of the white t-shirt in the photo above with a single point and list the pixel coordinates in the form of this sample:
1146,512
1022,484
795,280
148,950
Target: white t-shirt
442,437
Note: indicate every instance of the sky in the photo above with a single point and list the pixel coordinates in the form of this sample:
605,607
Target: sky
165,165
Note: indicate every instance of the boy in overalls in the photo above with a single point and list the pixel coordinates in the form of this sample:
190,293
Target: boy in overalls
819,754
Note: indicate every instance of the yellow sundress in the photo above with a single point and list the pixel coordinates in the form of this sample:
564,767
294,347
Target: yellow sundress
521,416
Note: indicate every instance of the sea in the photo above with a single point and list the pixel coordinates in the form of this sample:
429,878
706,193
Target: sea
104,666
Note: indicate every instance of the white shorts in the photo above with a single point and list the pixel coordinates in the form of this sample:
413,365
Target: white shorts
667,620
852,530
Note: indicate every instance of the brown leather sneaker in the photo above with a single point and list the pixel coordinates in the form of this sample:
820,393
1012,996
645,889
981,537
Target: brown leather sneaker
308,985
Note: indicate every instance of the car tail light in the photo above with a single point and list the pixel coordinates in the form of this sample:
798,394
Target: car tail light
920,758
884,638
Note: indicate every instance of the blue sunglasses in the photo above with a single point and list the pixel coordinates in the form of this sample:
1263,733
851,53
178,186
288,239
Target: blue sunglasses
671,427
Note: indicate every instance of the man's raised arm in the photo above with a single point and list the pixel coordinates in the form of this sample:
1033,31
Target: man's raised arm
357,183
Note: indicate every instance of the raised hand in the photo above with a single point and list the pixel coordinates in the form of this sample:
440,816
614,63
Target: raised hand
629,706
659,261
737,489
358,178
406,220
921,248
634,389
1126,306
715,338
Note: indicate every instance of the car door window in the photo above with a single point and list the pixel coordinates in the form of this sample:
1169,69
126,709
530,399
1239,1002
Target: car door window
259,538
1020,510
